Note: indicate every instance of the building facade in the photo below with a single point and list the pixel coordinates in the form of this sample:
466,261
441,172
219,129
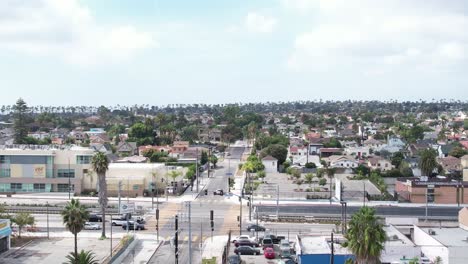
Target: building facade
438,191
29,168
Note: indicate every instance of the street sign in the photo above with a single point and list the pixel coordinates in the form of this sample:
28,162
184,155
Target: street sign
228,173
127,208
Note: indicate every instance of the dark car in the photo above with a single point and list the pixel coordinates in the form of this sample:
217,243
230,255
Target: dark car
246,250
255,228
245,242
133,226
234,259
218,192
267,243
94,218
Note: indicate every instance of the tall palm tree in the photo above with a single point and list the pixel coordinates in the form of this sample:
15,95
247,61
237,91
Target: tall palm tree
365,236
100,165
74,217
428,162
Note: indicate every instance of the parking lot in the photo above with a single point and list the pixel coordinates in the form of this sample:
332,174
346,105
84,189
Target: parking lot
54,250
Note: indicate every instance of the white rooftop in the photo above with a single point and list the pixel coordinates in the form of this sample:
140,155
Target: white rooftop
449,237
396,238
322,245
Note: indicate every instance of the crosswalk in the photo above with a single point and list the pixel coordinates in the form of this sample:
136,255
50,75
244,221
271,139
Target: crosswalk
186,238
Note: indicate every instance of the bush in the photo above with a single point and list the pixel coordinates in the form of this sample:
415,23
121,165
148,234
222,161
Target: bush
322,181
310,165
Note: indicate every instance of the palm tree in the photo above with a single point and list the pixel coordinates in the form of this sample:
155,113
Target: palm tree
100,165
74,217
428,161
365,236
85,257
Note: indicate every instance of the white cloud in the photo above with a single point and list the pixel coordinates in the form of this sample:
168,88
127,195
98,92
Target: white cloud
369,35
255,22
67,29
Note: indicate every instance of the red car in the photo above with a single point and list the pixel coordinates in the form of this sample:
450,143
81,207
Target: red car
269,253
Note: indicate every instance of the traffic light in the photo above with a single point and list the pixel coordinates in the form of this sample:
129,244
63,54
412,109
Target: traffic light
206,192
157,213
211,220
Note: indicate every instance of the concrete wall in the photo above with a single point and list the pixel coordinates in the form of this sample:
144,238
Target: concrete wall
322,258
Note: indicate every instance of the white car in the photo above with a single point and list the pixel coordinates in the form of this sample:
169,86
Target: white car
91,226
243,237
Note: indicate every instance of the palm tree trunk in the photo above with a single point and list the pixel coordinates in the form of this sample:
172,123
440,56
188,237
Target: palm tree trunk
76,245
104,222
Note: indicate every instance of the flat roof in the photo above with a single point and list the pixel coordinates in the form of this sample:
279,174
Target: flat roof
396,238
322,245
449,236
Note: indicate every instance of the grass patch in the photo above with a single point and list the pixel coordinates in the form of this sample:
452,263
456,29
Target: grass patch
209,261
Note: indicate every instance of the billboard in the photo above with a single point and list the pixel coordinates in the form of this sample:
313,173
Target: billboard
39,171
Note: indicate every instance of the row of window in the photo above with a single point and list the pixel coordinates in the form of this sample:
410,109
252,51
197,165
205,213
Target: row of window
25,187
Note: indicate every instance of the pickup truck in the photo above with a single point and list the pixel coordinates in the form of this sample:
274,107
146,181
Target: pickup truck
118,221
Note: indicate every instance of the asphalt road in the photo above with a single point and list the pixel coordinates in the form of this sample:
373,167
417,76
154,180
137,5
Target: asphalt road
235,152
327,210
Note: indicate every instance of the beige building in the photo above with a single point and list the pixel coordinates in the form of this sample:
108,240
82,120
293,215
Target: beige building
30,168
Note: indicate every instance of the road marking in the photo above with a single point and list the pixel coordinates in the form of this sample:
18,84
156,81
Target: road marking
194,238
230,221
166,213
186,238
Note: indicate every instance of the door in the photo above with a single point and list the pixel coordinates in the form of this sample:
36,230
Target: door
3,244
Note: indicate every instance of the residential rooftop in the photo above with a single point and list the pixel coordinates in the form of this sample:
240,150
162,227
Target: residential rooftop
449,237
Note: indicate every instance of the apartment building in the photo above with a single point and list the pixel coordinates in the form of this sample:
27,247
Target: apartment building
32,168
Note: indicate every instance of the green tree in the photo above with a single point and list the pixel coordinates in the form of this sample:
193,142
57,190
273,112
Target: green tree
438,260
189,133
277,151
141,133
100,165
458,152
204,158
309,178
174,174
310,165
365,236
74,216
322,182
23,219
214,160
261,174
20,117
427,162
397,158
84,257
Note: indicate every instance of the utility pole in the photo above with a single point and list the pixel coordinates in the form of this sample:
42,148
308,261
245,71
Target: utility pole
190,231
256,229
47,209
212,223
196,170
209,156
176,240
332,256
157,224
152,195
119,190
110,215
364,194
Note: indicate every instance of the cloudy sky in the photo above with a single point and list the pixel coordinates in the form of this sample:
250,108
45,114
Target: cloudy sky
93,52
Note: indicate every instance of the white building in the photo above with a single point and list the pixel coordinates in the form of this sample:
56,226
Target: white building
398,248
450,244
270,163
357,151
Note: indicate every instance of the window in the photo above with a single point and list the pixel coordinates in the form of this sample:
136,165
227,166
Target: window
16,186
136,187
65,173
39,187
430,195
61,187
80,159
85,171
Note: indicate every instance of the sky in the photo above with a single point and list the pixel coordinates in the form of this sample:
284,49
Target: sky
159,52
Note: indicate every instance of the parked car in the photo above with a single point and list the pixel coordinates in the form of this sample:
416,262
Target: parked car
246,250
234,259
255,228
242,237
218,192
91,226
285,248
246,242
269,253
94,218
275,239
118,221
267,243
132,225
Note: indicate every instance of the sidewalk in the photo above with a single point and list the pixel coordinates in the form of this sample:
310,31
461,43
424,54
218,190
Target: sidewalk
143,250
214,248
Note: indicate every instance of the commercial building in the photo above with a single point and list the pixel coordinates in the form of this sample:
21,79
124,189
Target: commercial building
318,249
31,168
398,249
435,190
5,233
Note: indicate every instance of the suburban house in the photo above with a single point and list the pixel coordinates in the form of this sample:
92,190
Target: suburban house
339,161
99,139
270,163
327,152
450,164
127,148
314,148
374,144
379,163
143,149
180,147
357,151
